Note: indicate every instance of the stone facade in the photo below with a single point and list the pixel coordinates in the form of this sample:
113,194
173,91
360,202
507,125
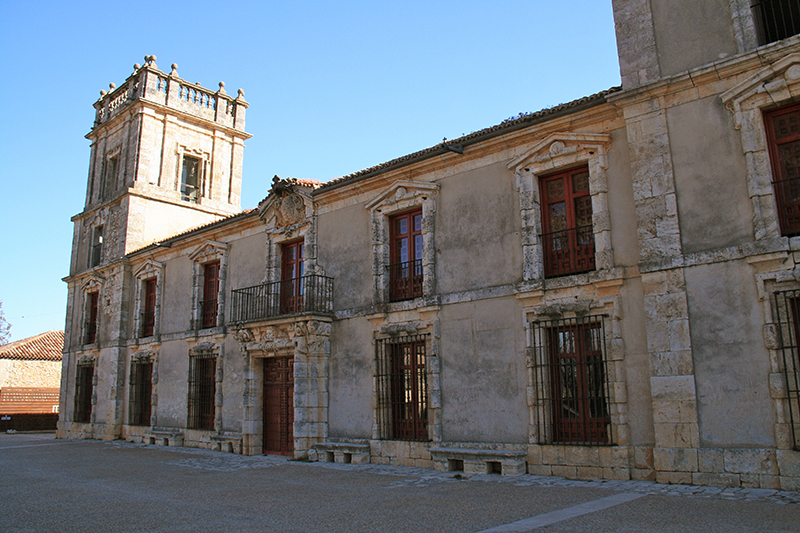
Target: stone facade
665,355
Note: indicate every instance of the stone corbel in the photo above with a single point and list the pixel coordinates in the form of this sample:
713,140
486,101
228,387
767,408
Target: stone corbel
406,328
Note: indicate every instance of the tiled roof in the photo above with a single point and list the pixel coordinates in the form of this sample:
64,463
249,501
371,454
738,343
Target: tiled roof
42,347
520,121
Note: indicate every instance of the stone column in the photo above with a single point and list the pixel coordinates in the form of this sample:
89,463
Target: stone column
311,362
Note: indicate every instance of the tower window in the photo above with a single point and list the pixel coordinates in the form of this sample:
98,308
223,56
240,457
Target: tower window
110,178
191,179
96,253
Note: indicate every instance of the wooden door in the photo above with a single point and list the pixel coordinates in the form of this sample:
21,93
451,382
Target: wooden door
279,405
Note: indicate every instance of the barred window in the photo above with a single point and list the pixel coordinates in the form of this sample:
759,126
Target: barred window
788,312
402,388
570,373
775,19
210,294
83,393
141,387
202,388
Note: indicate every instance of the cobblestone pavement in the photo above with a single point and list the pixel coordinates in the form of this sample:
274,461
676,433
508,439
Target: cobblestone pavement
424,477
94,486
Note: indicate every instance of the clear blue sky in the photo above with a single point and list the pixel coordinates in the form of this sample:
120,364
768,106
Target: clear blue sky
333,87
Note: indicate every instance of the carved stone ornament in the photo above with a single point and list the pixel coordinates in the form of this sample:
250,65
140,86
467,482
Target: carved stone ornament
558,310
289,210
203,348
406,328
143,356
87,360
244,336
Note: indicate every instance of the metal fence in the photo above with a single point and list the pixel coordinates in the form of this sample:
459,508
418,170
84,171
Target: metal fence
307,294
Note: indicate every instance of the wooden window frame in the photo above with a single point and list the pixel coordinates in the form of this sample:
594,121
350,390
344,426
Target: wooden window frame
192,192
210,298
405,277
403,396
149,291
202,391
570,250
786,189
292,271
84,385
141,388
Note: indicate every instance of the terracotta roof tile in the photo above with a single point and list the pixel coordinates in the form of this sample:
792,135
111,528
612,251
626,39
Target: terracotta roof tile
520,121
42,347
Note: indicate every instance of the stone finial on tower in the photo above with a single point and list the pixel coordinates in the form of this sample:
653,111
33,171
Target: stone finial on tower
240,98
174,70
221,88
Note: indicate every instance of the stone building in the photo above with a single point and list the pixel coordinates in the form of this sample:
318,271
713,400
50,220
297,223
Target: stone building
603,289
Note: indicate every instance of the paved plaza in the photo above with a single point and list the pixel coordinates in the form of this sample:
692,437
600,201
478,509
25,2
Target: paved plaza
93,486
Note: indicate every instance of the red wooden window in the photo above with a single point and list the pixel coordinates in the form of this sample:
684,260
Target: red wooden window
90,331
141,388
567,240
84,383
571,375
405,270
783,134
210,293
202,389
402,389
292,278
149,313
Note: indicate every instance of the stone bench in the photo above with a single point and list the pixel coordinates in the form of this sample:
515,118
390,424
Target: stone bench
479,461
226,443
164,437
340,452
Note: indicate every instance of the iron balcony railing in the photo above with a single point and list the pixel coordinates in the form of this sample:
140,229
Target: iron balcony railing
307,294
569,251
405,280
776,19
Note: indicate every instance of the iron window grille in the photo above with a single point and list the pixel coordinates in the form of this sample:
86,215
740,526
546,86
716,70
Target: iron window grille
402,388
83,393
141,388
202,389
775,19
571,381
568,237
783,134
787,306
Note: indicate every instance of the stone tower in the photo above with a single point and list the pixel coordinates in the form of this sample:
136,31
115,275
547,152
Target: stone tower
166,157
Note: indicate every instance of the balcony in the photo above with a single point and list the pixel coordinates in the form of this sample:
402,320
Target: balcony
568,251
405,280
304,295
